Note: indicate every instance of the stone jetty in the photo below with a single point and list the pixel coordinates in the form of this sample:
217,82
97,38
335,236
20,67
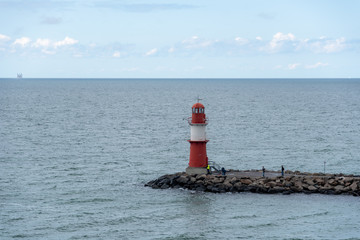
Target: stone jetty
252,181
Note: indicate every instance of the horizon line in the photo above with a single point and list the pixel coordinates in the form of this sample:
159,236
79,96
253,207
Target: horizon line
164,78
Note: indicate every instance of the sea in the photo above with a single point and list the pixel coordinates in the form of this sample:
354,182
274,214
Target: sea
75,155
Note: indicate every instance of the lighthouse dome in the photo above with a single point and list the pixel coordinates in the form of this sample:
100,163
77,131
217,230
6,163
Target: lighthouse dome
198,114
198,105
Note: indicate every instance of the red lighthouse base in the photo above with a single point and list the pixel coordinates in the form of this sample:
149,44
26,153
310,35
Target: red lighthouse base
198,158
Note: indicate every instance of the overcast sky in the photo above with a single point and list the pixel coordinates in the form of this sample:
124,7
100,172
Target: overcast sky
177,39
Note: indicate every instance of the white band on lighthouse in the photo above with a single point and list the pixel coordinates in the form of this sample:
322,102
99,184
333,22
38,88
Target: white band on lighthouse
198,132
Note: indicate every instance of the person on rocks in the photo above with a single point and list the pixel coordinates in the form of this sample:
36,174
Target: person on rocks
208,169
263,170
282,170
223,171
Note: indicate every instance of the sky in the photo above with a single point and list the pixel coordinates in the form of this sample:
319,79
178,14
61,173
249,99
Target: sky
180,39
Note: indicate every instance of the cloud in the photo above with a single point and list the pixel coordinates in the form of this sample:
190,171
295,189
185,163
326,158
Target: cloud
196,42
51,20
23,42
316,65
241,41
42,42
293,66
322,45
46,44
191,40
279,39
279,43
4,38
151,52
116,54
66,42
335,45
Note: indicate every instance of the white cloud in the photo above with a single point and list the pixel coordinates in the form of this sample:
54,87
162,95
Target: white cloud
196,42
151,52
279,39
316,65
282,37
241,41
259,38
190,40
42,42
335,45
322,45
66,42
171,50
22,41
4,38
293,66
116,54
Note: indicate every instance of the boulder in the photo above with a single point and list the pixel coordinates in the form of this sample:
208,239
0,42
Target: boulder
233,180
299,186
354,186
312,188
339,189
200,177
200,182
271,184
164,186
192,180
238,186
228,185
319,181
245,181
332,182
218,180
182,179
309,181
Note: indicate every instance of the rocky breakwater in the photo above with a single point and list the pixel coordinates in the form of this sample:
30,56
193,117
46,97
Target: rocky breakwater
291,183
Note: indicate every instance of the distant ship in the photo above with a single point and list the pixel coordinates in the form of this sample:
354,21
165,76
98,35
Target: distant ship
19,75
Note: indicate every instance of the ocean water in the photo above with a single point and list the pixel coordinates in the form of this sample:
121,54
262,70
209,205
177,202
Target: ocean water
75,155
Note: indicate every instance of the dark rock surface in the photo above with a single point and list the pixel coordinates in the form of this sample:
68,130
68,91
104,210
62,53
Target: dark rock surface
252,181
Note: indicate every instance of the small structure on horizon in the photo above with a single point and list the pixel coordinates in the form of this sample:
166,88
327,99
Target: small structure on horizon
19,75
198,160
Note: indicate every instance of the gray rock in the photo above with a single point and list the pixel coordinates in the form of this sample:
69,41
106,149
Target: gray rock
354,186
245,181
182,179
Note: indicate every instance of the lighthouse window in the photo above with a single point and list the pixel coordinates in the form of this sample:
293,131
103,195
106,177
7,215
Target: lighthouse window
193,110
196,110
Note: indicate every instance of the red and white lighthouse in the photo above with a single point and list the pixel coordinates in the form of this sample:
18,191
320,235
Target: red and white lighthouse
198,158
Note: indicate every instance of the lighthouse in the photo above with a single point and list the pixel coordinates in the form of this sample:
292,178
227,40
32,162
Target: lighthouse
198,158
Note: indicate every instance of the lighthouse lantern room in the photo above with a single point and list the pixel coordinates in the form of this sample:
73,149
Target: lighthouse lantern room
198,161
